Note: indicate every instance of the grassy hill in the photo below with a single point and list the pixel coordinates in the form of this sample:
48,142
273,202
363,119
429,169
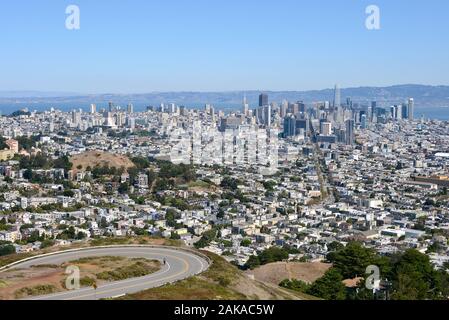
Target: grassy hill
93,159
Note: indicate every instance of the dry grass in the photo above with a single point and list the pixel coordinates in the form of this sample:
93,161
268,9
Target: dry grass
274,273
100,158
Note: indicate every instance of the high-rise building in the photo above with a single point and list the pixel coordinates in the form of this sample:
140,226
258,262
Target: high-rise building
76,117
267,115
411,109
130,108
326,128
404,111
289,126
349,103
283,109
303,124
263,100
399,112
111,106
337,97
363,121
350,136
245,106
93,108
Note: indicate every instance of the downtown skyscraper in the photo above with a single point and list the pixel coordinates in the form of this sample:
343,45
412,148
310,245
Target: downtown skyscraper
263,100
411,109
337,97
350,136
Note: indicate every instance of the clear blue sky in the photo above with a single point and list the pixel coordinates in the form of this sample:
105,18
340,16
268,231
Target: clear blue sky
138,46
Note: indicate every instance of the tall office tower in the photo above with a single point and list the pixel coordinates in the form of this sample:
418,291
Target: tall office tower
267,115
361,114
404,109
399,112
93,108
130,108
349,103
350,136
283,109
76,117
294,108
301,106
131,123
303,124
172,108
263,100
111,106
326,128
363,121
337,97
392,111
120,119
289,126
411,109
245,106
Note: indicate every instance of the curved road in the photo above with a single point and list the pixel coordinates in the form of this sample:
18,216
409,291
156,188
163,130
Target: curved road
180,264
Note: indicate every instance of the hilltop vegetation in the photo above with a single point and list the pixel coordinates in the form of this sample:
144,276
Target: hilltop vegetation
410,276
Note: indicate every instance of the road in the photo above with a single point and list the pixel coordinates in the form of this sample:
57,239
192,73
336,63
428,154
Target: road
180,264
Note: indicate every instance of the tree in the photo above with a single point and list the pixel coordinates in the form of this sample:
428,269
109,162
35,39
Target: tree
7,249
229,183
329,287
273,254
252,263
352,260
123,188
103,223
175,236
296,285
207,238
335,246
68,193
413,276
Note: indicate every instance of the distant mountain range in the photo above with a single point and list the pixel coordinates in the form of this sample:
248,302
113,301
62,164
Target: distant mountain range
424,95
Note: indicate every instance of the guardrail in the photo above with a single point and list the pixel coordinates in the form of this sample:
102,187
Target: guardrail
205,257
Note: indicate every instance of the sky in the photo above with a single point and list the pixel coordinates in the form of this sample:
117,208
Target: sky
138,46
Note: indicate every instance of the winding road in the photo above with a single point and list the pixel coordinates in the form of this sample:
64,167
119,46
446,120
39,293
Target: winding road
180,264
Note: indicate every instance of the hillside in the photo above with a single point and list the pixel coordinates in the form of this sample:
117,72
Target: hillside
93,159
275,272
222,281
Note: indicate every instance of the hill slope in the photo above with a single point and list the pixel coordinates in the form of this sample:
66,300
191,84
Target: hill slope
99,158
